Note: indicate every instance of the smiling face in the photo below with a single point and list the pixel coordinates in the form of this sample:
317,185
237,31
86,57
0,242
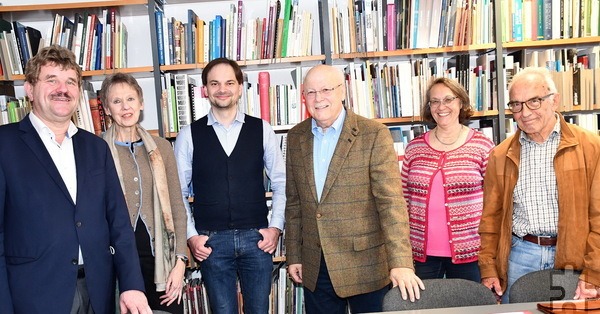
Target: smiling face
326,104
538,123
55,95
445,112
124,105
222,88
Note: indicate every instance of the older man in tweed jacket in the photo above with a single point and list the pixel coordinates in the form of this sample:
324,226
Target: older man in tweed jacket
347,229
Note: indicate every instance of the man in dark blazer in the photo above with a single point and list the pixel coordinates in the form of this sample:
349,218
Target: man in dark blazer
346,219
64,229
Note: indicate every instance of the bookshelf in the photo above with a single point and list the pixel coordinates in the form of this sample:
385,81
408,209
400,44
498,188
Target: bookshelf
134,50
492,40
326,47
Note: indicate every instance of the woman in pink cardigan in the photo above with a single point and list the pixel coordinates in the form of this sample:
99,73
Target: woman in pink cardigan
442,181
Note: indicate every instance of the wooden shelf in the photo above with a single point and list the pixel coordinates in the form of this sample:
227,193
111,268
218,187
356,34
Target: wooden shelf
552,42
387,121
144,69
412,52
71,5
244,63
278,259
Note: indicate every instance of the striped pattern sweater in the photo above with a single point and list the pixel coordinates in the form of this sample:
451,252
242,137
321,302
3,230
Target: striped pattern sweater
462,172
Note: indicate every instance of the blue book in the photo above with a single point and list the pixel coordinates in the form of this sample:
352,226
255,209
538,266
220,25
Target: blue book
216,32
158,17
19,30
517,18
223,37
98,39
211,37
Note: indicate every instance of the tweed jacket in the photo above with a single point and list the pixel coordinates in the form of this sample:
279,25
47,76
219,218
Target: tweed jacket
577,167
361,222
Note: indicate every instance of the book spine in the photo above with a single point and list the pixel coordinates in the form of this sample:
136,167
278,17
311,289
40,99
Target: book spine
547,7
240,9
158,16
264,83
22,43
184,110
391,27
171,36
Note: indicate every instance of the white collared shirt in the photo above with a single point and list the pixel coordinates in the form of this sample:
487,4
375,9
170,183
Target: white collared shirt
62,155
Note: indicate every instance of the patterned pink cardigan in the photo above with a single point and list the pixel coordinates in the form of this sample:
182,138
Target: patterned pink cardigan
462,171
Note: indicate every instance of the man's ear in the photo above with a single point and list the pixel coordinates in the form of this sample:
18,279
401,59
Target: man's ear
556,101
204,92
28,90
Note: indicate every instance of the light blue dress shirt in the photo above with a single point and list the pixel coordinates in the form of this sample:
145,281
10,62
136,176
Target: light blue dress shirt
323,147
273,160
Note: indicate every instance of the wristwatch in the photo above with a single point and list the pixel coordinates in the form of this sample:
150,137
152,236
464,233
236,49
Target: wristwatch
183,258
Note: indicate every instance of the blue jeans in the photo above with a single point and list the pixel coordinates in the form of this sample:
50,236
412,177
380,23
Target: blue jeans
236,252
325,300
442,267
526,257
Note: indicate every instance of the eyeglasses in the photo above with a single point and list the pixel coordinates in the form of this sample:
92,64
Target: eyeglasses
312,94
433,103
532,104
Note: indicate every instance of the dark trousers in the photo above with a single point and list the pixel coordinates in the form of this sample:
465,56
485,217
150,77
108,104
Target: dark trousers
147,264
325,300
442,267
81,300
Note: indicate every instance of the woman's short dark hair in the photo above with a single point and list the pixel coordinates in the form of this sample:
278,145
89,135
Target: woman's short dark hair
239,76
466,110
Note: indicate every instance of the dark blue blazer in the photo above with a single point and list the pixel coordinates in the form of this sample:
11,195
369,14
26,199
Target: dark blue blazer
41,228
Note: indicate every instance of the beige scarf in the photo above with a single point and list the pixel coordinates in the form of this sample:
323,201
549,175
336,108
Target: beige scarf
164,229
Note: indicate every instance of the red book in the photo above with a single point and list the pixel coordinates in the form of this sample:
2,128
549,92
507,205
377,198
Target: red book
96,118
264,82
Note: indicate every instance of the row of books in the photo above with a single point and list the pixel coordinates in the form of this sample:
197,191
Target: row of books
377,25
279,104
181,102
588,121
99,41
90,114
18,43
525,20
576,73
285,297
195,299
403,134
285,32
397,89
13,109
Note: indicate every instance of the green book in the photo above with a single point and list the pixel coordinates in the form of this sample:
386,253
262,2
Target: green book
287,8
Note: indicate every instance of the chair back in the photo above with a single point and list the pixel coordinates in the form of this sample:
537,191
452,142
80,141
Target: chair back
441,293
544,285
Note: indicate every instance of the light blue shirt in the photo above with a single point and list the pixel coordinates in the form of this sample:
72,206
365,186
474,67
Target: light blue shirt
323,147
273,160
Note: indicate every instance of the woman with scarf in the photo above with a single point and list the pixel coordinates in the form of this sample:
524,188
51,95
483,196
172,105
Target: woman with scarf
154,200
